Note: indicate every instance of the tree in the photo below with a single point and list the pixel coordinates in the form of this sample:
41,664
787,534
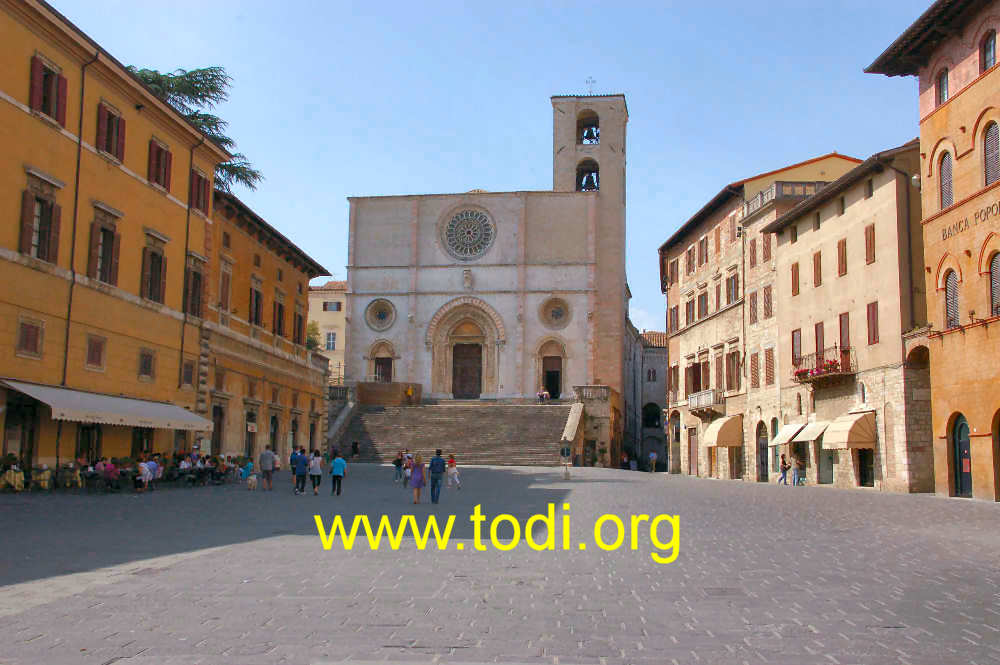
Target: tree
312,336
193,92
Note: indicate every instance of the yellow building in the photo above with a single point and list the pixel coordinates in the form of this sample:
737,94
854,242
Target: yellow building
266,387
97,353
327,309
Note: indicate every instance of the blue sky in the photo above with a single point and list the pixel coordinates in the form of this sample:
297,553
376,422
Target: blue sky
332,100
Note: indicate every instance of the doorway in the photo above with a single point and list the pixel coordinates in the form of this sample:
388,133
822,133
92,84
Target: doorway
552,375
88,443
962,457
19,430
692,451
251,438
274,435
827,462
762,471
218,420
142,442
467,371
383,370
866,467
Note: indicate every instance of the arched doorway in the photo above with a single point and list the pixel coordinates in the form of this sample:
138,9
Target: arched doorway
251,436
762,439
381,357
550,357
466,342
274,433
961,453
465,337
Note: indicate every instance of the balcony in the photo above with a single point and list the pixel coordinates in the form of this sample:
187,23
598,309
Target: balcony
706,402
826,366
781,190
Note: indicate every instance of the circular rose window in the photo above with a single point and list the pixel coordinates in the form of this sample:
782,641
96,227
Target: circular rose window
555,313
380,314
468,235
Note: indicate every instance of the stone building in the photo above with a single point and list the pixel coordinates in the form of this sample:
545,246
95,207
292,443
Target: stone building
327,307
854,404
951,49
99,350
258,382
645,394
702,268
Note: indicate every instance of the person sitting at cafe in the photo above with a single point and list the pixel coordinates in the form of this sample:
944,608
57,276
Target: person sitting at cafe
142,476
101,463
111,474
185,464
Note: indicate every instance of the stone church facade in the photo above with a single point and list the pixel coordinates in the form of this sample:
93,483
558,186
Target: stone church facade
492,295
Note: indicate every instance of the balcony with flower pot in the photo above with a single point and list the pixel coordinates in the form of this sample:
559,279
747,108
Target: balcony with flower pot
827,366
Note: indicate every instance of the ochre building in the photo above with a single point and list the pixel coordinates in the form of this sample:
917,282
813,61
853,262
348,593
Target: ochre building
951,49
328,309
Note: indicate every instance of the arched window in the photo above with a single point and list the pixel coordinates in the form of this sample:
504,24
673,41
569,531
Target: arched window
951,317
995,284
991,153
588,176
651,415
988,51
947,194
942,87
588,128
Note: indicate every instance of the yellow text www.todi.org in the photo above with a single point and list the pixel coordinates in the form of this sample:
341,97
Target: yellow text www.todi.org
610,532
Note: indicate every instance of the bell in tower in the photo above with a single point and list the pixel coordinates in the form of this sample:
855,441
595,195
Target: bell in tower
588,176
588,129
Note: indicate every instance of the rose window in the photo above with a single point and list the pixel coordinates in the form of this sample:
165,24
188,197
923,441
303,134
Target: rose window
380,314
468,235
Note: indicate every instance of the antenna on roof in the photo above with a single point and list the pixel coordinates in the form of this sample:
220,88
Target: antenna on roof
590,85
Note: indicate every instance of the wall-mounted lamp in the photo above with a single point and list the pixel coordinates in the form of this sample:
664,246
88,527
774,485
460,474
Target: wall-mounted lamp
915,180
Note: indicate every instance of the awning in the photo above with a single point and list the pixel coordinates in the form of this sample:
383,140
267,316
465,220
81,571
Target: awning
84,407
854,430
811,432
725,432
786,433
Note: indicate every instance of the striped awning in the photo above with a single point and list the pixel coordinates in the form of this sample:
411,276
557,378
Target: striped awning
726,432
786,433
811,432
853,430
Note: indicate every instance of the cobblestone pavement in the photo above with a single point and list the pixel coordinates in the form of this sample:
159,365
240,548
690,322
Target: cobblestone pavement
765,574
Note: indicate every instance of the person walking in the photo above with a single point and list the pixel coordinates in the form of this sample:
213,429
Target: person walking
398,463
795,470
407,468
267,459
301,468
453,472
652,461
783,468
338,469
437,468
417,477
316,471
355,450
291,464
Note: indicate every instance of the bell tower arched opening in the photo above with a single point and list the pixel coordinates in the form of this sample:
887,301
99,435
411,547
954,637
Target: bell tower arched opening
588,128
588,176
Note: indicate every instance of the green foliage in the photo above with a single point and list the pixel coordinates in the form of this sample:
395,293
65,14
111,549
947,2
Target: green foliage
312,336
191,92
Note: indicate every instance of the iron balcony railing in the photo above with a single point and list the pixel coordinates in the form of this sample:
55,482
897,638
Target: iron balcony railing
705,399
831,362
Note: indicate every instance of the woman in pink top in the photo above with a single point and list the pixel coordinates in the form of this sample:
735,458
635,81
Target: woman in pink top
417,477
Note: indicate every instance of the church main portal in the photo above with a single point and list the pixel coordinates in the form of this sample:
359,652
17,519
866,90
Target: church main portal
467,373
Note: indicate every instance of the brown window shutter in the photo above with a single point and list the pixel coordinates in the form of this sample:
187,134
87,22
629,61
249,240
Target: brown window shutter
767,302
718,240
873,323
120,148
207,197
115,251
54,225
61,100
817,268
753,307
102,126
168,162
753,252
151,165
224,296
163,278
719,373
795,279
144,286
845,330
27,220
820,338
768,367
706,375
755,371
766,250
842,256
274,317
95,248
870,243
35,95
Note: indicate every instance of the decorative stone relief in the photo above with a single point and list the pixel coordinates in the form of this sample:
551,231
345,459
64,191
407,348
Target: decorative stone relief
467,279
555,313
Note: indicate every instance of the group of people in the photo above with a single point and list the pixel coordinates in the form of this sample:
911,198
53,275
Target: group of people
632,464
148,469
414,474
308,465
798,468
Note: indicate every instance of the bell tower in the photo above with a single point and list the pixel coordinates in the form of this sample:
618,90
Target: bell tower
588,156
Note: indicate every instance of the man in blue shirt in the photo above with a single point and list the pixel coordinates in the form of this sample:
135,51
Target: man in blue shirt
300,465
338,469
437,468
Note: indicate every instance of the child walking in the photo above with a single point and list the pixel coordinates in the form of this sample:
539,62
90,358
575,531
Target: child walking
453,472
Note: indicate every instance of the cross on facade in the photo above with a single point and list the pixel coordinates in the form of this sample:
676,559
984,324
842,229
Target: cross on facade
590,85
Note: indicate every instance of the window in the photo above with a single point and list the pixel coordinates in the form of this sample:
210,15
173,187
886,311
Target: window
842,206
752,249
720,372
95,352
673,272
873,323
105,245
48,90
768,367
733,370
820,340
154,274
768,302
753,307
298,327
755,370
256,260
947,194
110,132
845,331
689,267
279,318
187,373
274,395
40,224
703,251
995,285
225,287
256,314
941,93
951,315
718,296
702,305
870,243
796,347
675,380
193,291
199,197
160,164
651,376
732,229
718,240
732,289
331,341
869,188
765,250
332,306
818,269
674,320
689,312
793,233
795,278
281,275
226,240
991,153
706,374
988,51
842,257
147,364
29,339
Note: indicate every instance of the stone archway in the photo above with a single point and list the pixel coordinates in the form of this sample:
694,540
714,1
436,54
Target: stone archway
381,361
471,329
550,366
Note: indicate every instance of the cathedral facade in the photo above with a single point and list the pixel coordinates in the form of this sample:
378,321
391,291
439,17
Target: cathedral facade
495,295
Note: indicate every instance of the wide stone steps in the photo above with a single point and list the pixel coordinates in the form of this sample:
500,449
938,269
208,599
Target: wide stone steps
476,433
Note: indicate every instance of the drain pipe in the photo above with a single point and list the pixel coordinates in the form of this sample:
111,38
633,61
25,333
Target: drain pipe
187,240
72,247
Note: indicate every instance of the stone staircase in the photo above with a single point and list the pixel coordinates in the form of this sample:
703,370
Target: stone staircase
475,432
